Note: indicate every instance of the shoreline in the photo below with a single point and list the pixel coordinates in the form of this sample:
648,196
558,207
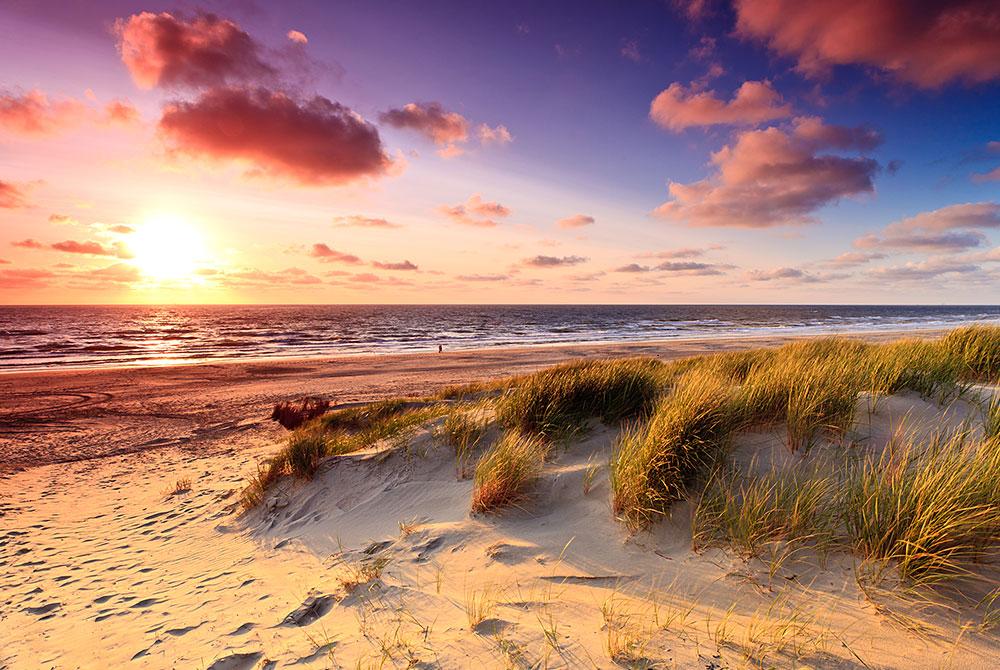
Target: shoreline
60,416
872,334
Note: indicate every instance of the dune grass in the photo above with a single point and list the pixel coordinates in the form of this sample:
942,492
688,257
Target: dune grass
337,433
653,463
928,509
556,402
463,429
507,470
748,511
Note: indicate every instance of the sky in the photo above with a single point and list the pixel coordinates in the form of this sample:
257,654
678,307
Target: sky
650,151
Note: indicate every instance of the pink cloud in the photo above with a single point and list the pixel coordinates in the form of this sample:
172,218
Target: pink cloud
119,273
948,228
122,112
775,177
33,113
928,44
403,265
24,278
575,221
431,120
92,248
62,219
170,51
992,175
475,212
678,107
316,142
495,135
355,221
12,196
28,244
297,37
328,255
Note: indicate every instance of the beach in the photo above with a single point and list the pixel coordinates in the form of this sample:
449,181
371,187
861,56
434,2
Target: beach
55,416
124,543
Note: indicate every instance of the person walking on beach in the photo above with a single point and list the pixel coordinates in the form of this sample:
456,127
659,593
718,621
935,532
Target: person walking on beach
440,348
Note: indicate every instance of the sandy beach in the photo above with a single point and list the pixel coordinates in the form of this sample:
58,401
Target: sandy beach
68,415
123,543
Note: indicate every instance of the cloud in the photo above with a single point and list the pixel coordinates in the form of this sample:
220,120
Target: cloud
782,274
482,278
992,175
949,228
203,51
553,261
119,273
694,9
122,229
964,215
630,51
632,267
576,221
928,269
916,240
927,44
684,252
24,278
854,258
404,265
35,114
122,112
28,244
63,219
776,176
267,279
690,268
297,37
496,135
431,120
475,212
12,196
315,142
754,102
355,221
92,248
327,255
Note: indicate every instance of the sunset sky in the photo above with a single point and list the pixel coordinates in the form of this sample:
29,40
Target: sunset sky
764,151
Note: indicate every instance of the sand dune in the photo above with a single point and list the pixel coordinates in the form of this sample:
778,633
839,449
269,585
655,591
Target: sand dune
377,562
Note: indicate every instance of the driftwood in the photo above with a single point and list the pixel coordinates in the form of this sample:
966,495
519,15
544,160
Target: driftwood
293,413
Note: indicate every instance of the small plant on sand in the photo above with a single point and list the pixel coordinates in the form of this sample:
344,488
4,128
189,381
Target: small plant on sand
464,430
506,471
589,474
480,605
182,485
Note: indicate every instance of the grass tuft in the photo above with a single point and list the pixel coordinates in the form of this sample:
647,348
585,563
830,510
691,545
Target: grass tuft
557,402
506,471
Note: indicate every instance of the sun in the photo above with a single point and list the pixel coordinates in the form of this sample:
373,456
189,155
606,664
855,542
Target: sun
165,246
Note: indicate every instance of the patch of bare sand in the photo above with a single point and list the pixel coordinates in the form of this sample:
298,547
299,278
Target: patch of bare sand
377,563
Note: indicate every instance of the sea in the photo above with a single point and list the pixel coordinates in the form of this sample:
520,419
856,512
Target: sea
40,337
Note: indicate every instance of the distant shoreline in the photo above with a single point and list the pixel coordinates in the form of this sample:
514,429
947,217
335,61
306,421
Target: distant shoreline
150,364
